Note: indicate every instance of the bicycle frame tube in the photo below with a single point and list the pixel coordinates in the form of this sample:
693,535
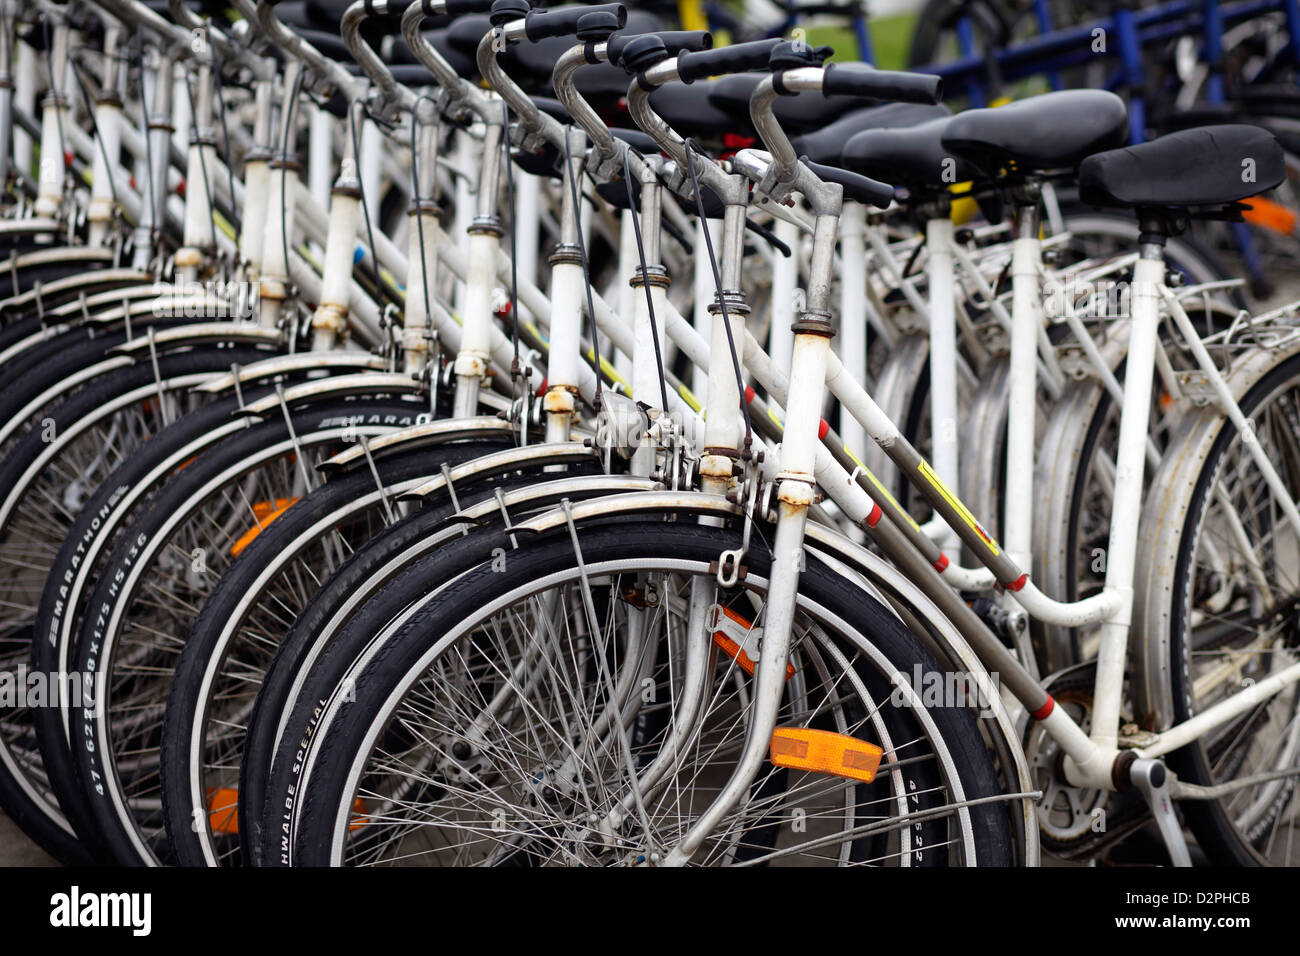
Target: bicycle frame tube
568,281
422,261
648,339
54,116
1022,412
199,236
1148,277
853,307
108,127
282,191
785,279
257,178
943,361
331,314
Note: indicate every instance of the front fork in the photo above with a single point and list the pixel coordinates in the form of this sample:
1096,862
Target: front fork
795,495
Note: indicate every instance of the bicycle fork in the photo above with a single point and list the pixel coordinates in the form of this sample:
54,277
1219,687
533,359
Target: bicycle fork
795,494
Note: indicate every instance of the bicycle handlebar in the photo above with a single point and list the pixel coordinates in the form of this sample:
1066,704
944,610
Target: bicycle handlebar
739,58
858,79
547,24
675,42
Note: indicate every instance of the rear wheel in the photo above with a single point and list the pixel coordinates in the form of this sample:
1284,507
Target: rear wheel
1234,621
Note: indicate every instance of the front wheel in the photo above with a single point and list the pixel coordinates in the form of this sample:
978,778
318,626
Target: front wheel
506,721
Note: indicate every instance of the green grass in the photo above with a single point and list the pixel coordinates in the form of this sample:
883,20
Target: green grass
891,36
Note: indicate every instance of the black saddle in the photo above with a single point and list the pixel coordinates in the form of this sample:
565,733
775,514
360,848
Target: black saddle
688,110
826,144
913,157
1042,133
1205,166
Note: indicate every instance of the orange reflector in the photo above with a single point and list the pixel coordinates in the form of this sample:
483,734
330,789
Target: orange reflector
1269,215
265,512
358,810
223,810
734,650
820,751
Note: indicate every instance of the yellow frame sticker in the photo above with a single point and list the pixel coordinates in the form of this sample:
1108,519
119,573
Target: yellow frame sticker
928,473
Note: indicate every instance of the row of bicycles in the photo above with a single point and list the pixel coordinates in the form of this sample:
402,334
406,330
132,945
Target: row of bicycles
469,433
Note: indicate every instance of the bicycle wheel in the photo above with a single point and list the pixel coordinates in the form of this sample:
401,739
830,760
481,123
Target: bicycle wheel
163,568
47,478
491,728
81,558
1232,623
240,628
362,585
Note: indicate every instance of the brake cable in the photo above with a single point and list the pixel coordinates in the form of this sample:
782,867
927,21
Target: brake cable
645,281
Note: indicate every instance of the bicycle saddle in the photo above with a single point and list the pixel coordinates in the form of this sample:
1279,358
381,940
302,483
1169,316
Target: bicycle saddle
913,157
1205,166
825,145
1047,132
688,109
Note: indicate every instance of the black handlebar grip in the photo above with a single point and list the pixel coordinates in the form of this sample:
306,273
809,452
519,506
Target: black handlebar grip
738,58
858,79
392,8
563,22
858,188
675,41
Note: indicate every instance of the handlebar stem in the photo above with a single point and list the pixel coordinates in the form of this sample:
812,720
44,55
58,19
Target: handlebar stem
786,174
328,72
710,175
579,109
460,94
535,126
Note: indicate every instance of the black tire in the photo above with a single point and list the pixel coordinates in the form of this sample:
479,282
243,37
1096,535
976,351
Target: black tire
222,638
26,792
83,554
307,812
366,575
85,548
116,605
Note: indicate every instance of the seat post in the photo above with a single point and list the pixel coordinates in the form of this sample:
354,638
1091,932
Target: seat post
1130,463
1022,408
